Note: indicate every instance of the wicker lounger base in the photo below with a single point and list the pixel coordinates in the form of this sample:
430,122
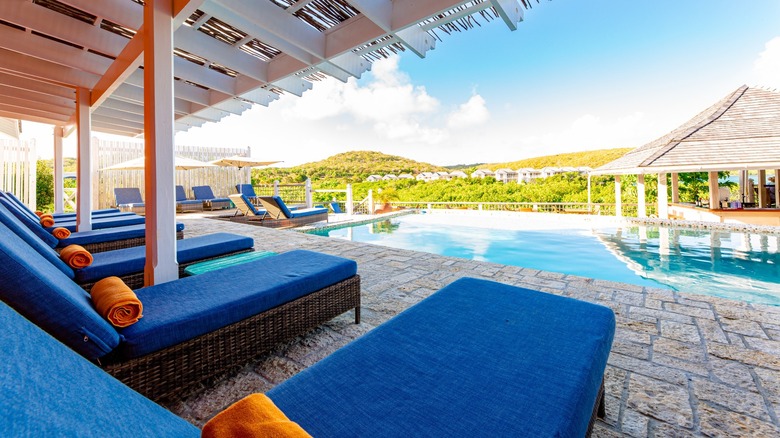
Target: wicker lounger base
599,410
188,208
215,205
136,280
178,369
282,223
119,244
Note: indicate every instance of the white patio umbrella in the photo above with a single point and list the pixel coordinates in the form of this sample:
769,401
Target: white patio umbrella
239,161
181,163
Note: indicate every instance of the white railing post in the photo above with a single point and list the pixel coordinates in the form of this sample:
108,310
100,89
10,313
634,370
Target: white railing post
371,206
349,206
309,201
276,188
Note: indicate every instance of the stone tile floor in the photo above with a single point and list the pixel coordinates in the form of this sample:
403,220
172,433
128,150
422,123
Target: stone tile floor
681,364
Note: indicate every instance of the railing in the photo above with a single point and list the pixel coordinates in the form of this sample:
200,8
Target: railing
604,209
18,164
291,193
69,199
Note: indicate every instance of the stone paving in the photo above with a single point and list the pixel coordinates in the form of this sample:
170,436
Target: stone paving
681,364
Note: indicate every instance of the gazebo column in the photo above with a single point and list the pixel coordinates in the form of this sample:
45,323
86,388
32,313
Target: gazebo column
663,197
59,177
641,208
618,196
84,159
675,189
762,198
161,265
714,204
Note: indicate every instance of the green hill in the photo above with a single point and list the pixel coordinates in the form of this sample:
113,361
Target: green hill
592,159
345,167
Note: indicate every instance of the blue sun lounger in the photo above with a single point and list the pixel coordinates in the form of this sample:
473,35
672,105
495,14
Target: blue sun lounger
65,216
210,202
129,199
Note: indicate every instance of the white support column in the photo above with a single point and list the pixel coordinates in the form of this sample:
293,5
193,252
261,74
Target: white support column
59,193
641,208
371,206
84,159
675,189
590,198
713,180
762,198
618,196
777,188
276,188
663,197
309,199
350,206
161,265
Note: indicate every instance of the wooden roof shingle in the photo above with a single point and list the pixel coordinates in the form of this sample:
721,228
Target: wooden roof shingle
741,131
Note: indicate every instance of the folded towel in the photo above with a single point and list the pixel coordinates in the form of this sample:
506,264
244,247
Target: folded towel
47,220
253,416
38,213
116,302
61,233
76,256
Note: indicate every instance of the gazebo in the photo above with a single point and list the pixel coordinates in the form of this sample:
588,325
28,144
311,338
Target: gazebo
741,133
153,67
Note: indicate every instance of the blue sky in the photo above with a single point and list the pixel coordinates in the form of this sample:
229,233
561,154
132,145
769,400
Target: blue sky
575,76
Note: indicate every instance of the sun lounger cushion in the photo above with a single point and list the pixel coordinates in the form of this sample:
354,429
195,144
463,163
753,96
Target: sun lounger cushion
125,261
31,239
102,212
477,358
108,235
45,295
183,309
246,190
297,212
31,224
181,198
48,391
128,196
103,222
204,193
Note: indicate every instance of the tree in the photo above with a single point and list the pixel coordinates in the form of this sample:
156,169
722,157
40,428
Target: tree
44,185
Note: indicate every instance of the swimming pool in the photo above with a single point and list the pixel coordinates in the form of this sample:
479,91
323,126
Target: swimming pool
725,264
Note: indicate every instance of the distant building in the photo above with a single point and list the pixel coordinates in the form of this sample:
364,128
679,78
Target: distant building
481,173
458,174
374,178
527,174
550,171
440,175
424,176
389,177
405,176
584,169
506,175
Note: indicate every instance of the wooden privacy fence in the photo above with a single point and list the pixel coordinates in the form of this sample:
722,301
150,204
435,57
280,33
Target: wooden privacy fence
18,161
222,180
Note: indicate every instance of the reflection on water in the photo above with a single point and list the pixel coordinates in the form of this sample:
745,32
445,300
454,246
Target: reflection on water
733,265
727,264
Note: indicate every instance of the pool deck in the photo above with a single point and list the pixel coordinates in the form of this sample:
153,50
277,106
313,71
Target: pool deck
681,364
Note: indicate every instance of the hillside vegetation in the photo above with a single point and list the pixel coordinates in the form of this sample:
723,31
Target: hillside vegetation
592,159
344,168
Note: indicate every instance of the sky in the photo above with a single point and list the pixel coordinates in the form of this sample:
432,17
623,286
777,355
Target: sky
574,76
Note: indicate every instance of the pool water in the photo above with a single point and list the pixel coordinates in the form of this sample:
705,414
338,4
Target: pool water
726,264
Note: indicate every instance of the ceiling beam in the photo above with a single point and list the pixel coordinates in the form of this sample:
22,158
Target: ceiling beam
197,42
510,11
31,116
31,96
35,86
127,14
45,70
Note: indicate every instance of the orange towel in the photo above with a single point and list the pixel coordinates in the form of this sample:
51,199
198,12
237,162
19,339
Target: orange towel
116,302
76,256
47,220
38,213
61,233
253,416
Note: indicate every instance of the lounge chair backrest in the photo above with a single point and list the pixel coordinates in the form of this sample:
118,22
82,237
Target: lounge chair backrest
128,195
246,189
20,205
45,296
33,225
181,195
336,207
275,207
48,390
203,193
244,205
13,224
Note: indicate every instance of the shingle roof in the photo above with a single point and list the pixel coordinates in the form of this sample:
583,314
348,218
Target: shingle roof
741,131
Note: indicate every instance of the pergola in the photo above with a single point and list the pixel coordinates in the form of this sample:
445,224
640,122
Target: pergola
152,67
741,132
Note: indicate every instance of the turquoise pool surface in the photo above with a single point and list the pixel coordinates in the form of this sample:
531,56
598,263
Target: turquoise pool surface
725,264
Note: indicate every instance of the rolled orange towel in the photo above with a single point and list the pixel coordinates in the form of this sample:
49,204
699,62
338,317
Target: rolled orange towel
47,220
61,233
76,256
116,302
38,213
255,415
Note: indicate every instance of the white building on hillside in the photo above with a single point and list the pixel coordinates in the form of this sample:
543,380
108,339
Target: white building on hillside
424,176
389,177
458,174
481,173
405,176
374,178
506,175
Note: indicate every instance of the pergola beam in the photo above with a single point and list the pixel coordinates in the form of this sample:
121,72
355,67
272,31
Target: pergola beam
36,86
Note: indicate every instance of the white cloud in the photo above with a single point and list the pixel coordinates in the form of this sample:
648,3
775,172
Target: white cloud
473,112
767,67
